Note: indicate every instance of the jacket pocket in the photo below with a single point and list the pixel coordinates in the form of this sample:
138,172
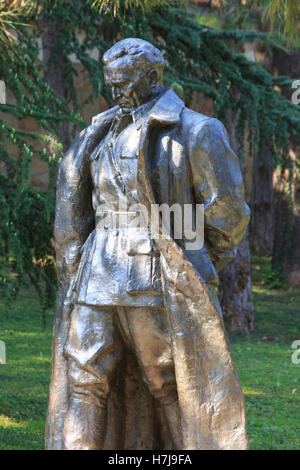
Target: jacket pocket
143,269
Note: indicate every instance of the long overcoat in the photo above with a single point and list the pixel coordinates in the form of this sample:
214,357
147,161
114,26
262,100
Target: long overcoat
184,158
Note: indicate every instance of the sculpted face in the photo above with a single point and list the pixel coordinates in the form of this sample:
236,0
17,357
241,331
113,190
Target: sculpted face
130,87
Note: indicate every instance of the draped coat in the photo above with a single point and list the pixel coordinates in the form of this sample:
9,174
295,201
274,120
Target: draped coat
184,158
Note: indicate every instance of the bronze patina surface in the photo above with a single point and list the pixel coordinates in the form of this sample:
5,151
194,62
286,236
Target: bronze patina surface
140,354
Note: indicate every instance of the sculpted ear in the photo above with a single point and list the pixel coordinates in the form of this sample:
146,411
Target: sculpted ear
153,78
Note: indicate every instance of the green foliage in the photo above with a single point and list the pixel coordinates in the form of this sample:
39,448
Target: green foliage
199,58
115,6
26,213
284,15
279,16
264,275
15,13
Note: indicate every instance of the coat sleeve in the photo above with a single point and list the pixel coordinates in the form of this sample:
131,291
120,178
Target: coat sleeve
74,217
218,184
73,222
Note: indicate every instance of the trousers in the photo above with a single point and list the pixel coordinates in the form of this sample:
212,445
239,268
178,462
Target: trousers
94,349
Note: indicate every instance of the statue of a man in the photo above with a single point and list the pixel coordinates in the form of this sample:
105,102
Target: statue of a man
140,356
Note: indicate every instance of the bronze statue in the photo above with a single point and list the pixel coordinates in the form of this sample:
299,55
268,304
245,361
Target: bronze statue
140,355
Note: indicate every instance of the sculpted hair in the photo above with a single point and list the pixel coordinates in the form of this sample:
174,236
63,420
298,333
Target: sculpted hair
140,55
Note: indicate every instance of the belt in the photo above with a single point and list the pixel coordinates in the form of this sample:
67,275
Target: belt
112,220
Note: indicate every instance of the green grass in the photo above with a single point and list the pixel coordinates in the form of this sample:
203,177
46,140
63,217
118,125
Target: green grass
24,380
270,381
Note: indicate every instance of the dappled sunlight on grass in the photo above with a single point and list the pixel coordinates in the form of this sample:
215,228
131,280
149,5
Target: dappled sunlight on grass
251,392
7,422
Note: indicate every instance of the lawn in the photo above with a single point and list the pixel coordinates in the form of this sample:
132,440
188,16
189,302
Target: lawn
270,381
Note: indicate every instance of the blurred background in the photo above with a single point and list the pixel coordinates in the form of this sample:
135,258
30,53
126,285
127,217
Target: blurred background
236,60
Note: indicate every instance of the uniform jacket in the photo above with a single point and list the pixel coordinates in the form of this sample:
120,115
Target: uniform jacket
184,157
118,255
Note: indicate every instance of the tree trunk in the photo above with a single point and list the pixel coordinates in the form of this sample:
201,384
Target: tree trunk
262,204
54,73
236,291
294,271
235,279
286,247
262,193
275,225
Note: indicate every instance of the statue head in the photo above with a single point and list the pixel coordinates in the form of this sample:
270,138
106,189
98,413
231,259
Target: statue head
134,70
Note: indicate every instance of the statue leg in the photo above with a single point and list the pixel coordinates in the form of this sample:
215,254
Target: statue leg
94,349
144,330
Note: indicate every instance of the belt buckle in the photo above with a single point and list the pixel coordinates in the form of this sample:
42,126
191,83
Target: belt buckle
113,222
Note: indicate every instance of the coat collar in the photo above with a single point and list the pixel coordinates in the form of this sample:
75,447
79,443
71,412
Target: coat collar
165,111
